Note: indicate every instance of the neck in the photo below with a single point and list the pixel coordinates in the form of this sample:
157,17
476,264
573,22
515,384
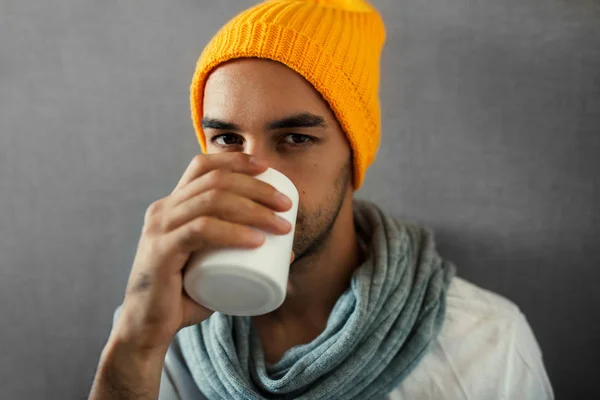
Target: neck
315,284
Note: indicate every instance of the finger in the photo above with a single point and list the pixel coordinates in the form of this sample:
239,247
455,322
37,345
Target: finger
211,233
193,313
292,258
241,184
227,206
234,161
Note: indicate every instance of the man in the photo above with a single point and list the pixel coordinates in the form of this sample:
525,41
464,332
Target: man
372,311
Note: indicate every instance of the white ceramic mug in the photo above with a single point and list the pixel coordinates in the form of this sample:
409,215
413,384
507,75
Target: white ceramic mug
246,282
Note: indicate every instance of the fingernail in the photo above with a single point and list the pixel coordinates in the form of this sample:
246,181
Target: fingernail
284,223
283,198
257,237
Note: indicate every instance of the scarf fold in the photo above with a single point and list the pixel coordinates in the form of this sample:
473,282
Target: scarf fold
378,331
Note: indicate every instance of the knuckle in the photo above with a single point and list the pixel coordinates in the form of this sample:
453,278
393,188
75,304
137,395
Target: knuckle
240,158
152,217
197,161
215,178
194,233
213,196
154,208
199,226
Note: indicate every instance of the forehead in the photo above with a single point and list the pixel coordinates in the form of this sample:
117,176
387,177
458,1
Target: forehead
259,87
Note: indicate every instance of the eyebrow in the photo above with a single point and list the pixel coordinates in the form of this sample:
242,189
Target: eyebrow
302,120
213,123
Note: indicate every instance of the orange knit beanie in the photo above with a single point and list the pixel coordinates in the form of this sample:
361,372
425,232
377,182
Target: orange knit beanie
334,44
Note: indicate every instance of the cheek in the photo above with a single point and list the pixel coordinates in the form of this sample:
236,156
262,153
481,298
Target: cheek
316,174
316,186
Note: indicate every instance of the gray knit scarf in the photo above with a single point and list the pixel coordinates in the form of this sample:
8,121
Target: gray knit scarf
377,333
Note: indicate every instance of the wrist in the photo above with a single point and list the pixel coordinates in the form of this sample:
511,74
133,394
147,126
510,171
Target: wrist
124,372
133,333
120,351
127,372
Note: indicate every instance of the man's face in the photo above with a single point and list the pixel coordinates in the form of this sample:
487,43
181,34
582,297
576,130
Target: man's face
264,108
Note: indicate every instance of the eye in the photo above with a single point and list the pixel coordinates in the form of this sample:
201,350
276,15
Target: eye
296,140
227,139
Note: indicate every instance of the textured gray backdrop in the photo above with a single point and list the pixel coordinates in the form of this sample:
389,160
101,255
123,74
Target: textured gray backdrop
491,137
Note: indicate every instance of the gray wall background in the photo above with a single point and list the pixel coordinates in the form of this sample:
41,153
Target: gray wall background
491,137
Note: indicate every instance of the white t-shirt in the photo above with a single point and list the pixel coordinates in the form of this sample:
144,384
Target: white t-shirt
485,351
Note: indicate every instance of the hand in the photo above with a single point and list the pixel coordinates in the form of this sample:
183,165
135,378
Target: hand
217,203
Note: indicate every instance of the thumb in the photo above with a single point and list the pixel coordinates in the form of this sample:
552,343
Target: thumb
193,313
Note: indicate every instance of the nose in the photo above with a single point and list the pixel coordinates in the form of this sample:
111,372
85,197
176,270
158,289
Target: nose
262,147
260,150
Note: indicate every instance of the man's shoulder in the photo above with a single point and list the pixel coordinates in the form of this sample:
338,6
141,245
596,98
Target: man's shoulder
469,305
479,321
483,323
485,349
